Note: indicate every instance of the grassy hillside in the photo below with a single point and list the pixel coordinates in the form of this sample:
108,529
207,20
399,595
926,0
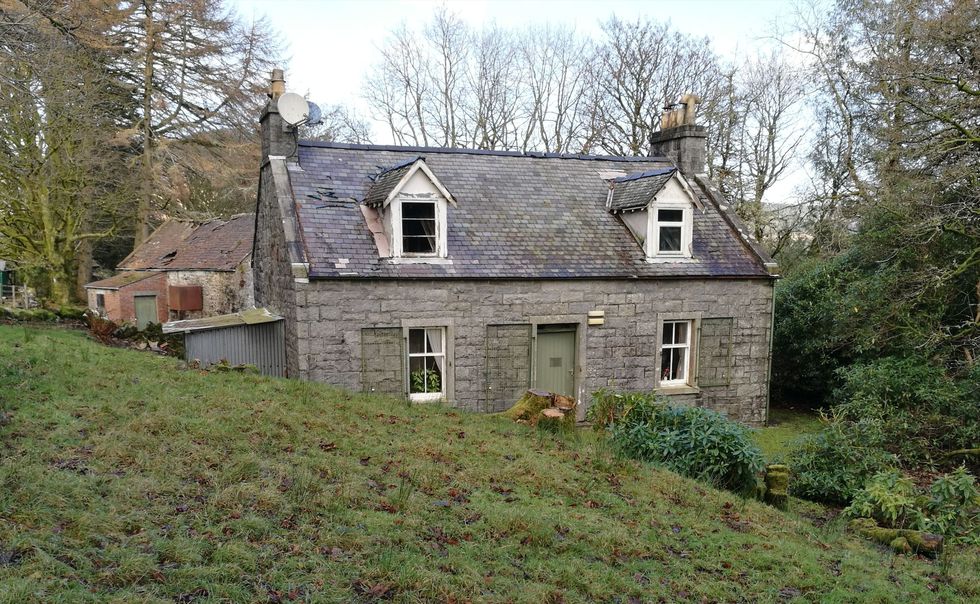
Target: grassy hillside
125,479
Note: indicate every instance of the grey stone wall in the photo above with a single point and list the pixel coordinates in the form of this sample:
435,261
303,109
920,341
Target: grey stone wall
223,291
622,354
271,270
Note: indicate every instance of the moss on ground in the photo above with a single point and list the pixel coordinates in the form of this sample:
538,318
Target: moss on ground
125,479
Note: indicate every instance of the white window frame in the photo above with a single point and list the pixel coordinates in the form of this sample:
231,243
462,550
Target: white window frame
426,397
688,357
686,225
437,251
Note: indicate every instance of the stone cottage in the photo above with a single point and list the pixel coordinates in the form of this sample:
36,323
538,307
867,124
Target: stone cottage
184,270
469,276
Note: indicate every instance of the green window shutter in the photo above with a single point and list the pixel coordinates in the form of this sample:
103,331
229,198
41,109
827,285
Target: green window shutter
508,368
383,360
715,352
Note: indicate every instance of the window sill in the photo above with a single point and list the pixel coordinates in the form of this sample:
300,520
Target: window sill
677,390
435,397
671,259
420,260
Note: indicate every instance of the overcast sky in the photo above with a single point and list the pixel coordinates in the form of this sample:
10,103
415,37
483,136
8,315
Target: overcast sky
332,44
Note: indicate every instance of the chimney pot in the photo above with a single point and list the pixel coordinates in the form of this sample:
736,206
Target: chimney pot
277,84
679,138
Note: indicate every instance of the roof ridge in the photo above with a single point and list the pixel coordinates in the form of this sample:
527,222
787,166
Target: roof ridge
644,174
495,152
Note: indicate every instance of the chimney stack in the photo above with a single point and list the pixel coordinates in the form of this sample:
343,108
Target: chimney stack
278,138
679,138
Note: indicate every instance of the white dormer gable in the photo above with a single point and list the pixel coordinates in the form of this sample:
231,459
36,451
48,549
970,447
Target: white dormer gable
664,223
415,216
670,233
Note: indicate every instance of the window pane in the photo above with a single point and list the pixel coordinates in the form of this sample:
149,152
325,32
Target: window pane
668,337
677,369
418,227
665,361
670,239
680,333
416,341
414,209
433,339
670,215
433,375
419,245
412,227
416,374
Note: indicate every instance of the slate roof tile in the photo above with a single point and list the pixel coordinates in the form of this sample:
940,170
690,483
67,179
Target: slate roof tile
517,216
215,245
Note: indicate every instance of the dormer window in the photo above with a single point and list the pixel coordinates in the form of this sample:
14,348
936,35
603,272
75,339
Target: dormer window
413,208
419,228
658,208
672,231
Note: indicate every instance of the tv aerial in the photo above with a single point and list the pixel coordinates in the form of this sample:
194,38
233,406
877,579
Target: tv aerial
297,111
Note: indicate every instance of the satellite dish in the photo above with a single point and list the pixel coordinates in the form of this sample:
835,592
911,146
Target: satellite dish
315,116
293,109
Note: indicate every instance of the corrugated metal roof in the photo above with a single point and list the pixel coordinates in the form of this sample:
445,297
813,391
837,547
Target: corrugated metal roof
252,316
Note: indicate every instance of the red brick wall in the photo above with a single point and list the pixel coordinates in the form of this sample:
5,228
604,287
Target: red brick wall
123,304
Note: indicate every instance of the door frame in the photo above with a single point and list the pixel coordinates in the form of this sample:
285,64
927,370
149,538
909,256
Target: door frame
581,323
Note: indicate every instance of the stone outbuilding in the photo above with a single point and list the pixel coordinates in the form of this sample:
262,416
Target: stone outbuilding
468,276
185,270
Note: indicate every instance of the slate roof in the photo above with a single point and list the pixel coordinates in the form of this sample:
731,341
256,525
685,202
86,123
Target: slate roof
120,280
518,215
178,245
386,182
634,191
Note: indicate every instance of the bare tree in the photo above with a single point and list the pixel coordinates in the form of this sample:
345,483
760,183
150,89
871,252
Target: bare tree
340,124
773,98
641,67
557,99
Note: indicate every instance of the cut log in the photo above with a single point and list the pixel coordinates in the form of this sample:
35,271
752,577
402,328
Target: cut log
900,540
563,402
556,420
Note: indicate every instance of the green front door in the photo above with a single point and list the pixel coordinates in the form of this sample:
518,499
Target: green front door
146,310
555,359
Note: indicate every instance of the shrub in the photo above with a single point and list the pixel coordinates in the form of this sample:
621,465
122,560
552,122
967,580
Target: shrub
921,411
806,346
102,329
951,508
954,507
71,313
692,441
833,464
608,406
889,498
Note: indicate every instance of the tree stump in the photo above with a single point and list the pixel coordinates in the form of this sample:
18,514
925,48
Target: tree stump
543,409
777,486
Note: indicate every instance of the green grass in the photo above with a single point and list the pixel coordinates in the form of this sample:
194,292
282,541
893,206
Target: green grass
785,427
124,479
